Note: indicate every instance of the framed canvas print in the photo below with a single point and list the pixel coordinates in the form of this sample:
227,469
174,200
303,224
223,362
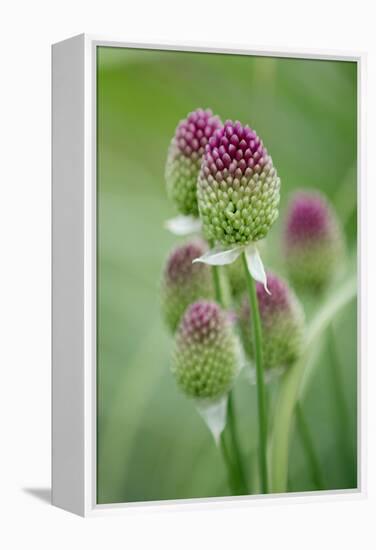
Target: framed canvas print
206,275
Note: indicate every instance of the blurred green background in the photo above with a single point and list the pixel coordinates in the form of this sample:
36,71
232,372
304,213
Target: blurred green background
152,444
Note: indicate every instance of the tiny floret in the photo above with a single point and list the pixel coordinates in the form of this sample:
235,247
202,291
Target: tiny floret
205,360
313,241
238,187
185,156
184,282
282,322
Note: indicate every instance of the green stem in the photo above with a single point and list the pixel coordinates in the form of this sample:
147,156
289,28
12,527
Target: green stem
236,462
233,479
217,285
261,396
235,443
309,447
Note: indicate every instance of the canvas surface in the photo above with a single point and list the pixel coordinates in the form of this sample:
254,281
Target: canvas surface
152,443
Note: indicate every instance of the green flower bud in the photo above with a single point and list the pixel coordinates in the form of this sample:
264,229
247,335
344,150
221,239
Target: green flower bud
313,241
184,282
238,187
205,360
282,322
184,158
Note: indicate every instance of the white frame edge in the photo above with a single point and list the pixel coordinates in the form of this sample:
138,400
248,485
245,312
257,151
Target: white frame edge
74,280
68,381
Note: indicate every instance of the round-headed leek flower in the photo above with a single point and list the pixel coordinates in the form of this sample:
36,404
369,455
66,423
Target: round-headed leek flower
205,359
184,282
238,187
282,322
313,241
185,156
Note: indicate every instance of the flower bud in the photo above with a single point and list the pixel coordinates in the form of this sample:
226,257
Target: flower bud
282,323
205,360
184,282
184,158
238,187
313,241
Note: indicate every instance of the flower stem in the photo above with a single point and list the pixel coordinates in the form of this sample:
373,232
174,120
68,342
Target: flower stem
236,461
261,396
235,443
309,447
217,285
233,479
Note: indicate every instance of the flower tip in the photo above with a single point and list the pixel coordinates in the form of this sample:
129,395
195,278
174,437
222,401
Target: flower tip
282,321
185,156
205,361
313,240
243,213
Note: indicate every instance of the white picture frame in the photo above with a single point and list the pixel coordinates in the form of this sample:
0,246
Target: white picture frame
74,279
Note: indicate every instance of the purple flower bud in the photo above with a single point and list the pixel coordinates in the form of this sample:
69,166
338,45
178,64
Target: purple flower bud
238,186
183,282
205,360
184,158
313,240
282,322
